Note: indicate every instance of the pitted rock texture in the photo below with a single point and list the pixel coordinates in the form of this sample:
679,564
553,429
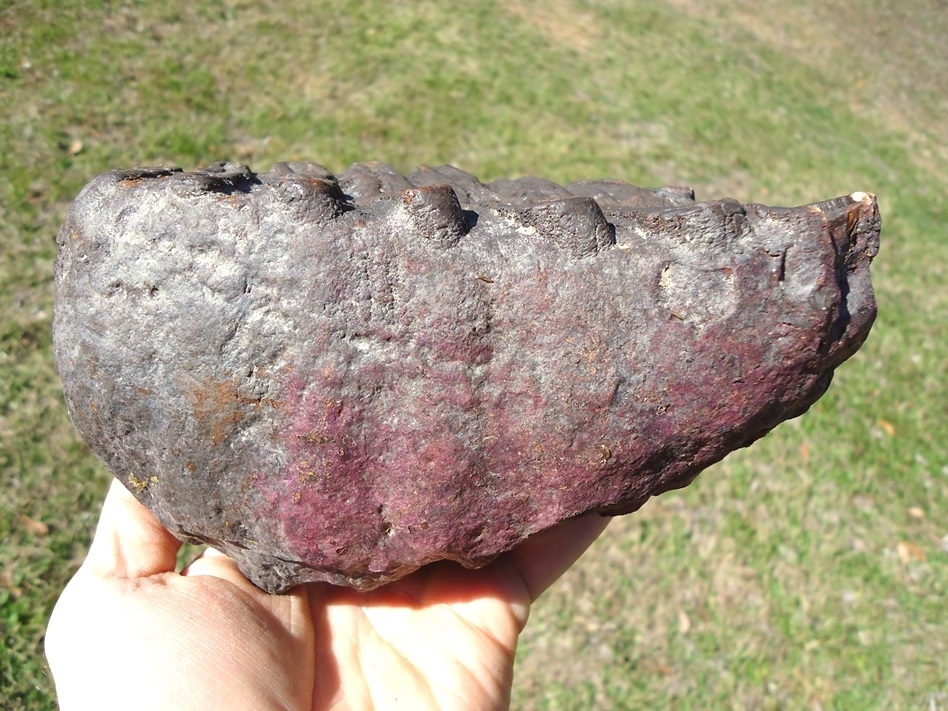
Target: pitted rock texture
343,378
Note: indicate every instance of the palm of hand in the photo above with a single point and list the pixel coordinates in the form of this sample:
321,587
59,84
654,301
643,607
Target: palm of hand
129,632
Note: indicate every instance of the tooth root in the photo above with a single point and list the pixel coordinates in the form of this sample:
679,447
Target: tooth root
435,213
128,178
618,196
318,200
529,191
221,178
301,170
574,224
854,223
468,188
702,226
676,194
308,190
365,182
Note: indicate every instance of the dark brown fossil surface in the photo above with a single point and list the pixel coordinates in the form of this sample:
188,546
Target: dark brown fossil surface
343,378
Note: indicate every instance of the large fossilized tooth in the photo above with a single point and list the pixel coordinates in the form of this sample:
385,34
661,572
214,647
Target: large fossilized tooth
343,378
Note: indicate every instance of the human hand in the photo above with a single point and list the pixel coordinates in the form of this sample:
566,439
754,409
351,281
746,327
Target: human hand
129,632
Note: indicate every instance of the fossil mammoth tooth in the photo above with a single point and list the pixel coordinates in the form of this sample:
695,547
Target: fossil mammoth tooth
343,378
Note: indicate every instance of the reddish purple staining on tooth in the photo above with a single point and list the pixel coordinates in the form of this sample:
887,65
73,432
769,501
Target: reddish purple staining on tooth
343,378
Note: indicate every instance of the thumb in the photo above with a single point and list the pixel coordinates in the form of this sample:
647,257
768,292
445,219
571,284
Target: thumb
129,541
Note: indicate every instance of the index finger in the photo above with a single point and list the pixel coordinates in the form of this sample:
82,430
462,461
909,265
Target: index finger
544,557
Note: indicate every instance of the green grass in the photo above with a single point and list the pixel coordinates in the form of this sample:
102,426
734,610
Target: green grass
810,571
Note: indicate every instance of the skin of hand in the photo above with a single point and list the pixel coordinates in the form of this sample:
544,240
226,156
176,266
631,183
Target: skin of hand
128,632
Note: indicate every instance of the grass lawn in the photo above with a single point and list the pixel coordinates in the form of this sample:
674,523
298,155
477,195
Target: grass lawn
810,571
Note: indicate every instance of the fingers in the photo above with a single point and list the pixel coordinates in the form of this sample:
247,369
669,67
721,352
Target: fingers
543,558
219,565
129,541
